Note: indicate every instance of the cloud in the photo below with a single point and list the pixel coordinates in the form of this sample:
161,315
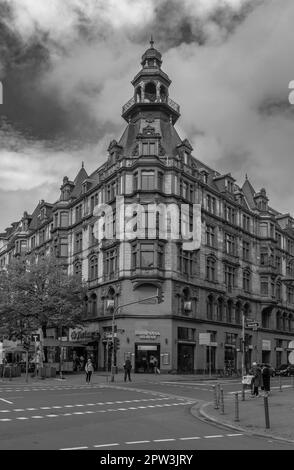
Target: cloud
66,68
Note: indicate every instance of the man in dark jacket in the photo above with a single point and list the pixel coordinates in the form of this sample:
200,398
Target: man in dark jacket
127,368
256,372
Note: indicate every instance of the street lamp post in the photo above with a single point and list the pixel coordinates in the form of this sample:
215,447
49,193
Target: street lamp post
243,344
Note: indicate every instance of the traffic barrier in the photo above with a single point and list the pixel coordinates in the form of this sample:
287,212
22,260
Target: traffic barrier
222,405
266,412
215,397
236,407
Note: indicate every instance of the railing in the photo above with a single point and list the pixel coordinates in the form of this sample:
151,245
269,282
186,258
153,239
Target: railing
128,104
172,104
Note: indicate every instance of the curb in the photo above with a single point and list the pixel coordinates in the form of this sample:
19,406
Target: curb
196,411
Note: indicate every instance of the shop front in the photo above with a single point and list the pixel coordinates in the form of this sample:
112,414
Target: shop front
147,357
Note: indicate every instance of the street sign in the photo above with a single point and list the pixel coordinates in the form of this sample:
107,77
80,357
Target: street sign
253,325
35,337
204,338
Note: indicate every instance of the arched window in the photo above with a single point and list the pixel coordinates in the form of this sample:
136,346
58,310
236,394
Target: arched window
265,318
220,309
278,321
78,268
150,92
284,321
93,305
279,291
86,306
210,268
210,307
246,280
290,321
229,311
238,313
138,94
162,94
93,268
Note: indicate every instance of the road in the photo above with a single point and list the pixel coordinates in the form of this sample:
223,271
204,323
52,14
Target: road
116,416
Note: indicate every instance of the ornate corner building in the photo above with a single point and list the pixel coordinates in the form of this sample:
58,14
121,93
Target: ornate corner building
245,265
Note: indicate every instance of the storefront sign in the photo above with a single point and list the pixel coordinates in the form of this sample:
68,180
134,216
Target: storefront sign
204,338
266,345
145,334
84,334
146,347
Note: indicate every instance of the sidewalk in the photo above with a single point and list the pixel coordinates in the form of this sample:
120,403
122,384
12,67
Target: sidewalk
252,413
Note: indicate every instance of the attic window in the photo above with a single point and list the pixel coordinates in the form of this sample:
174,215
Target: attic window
230,186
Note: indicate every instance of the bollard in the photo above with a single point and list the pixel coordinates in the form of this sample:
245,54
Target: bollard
243,392
10,373
292,381
215,397
222,405
236,407
280,383
266,412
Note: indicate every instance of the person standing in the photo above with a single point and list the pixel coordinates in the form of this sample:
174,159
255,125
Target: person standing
127,368
256,372
89,369
266,379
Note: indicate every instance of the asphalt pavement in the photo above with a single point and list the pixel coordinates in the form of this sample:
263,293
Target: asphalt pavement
151,412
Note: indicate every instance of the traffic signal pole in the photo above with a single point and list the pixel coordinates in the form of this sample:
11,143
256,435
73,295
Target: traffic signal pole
114,312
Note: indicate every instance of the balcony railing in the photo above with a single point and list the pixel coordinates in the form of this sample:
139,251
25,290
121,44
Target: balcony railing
172,104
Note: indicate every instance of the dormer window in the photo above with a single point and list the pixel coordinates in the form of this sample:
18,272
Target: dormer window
230,186
149,148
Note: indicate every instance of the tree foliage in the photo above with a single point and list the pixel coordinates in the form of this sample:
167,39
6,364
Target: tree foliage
38,293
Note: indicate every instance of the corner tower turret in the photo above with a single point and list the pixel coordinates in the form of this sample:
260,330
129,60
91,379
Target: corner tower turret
151,90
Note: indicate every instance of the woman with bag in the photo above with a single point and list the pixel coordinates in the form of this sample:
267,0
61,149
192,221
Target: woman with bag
89,369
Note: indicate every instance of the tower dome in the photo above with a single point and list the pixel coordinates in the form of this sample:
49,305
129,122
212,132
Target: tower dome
151,57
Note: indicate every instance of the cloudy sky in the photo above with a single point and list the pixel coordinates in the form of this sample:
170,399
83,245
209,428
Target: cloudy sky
66,67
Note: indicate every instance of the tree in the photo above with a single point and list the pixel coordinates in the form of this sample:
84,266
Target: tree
37,292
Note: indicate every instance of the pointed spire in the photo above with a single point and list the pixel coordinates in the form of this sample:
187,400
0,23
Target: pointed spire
82,164
151,42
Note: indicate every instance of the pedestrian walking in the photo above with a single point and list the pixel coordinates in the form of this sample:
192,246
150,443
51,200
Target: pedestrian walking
257,378
89,369
127,368
266,379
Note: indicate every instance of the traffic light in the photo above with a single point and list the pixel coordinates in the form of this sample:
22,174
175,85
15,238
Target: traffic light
116,344
160,296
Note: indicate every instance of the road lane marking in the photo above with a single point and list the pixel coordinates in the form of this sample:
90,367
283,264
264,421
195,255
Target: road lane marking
99,411
154,440
76,448
189,438
163,440
107,445
137,442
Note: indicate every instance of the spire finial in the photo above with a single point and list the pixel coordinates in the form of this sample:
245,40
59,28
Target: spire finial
151,41
82,164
